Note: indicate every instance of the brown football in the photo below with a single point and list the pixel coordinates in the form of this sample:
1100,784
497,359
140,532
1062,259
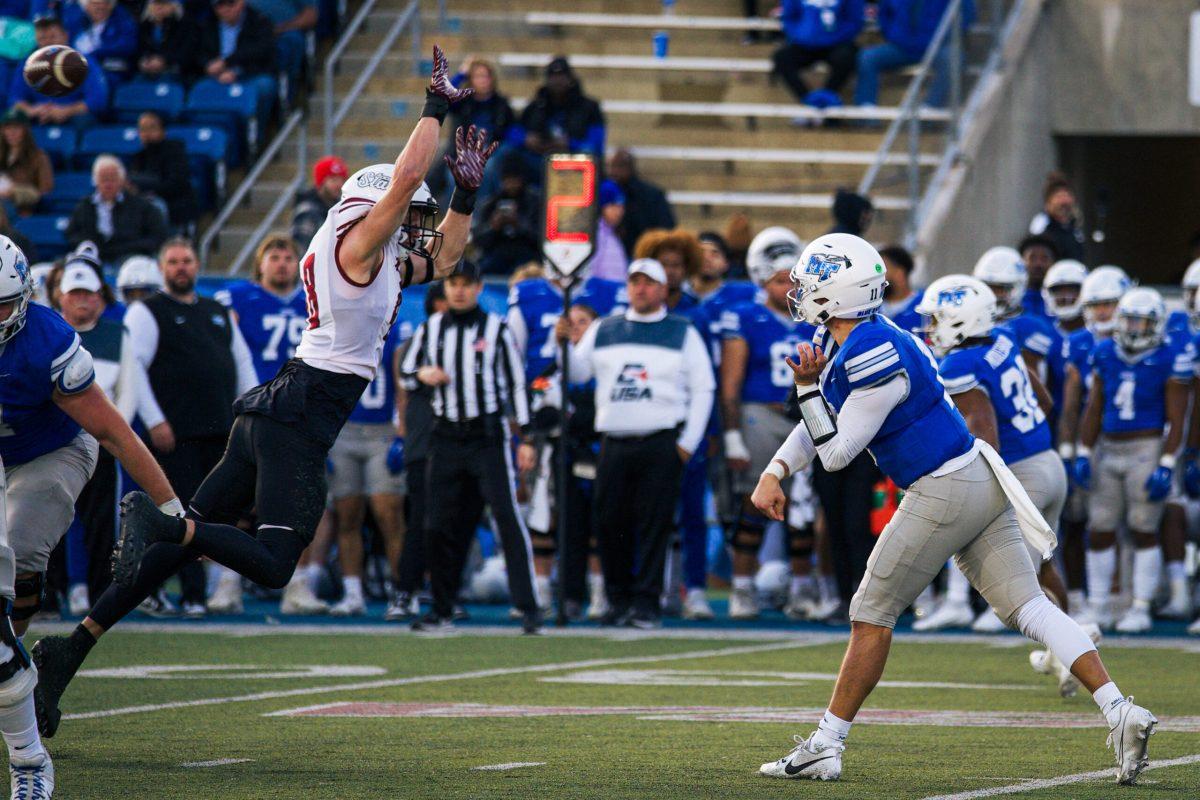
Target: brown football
55,70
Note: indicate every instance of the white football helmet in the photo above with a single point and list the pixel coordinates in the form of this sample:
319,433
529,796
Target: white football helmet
139,272
838,276
38,274
1002,269
1105,284
417,232
959,307
1190,283
1065,273
774,249
16,287
1141,320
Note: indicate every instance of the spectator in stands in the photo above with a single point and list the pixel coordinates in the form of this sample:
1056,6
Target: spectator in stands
559,119
609,260
506,227
646,205
329,174
1059,218
486,108
19,239
824,32
167,40
78,107
160,169
108,35
237,44
25,170
852,213
119,222
907,27
292,19
900,299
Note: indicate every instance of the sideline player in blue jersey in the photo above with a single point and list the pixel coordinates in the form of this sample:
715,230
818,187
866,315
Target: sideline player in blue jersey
52,415
754,386
961,500
714,293
1192,451
1003,271
1140,384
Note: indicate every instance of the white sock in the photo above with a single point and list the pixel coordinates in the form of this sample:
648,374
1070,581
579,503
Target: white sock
352,586
1101,566
828,587
832,730
1176,571
1076,600
1147,565
542,583
958,588
743,583
595,583
19,725
1108,697
1044,622
799,583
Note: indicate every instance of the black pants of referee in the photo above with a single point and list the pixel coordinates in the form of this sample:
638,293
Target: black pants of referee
470,466
845,497
637,490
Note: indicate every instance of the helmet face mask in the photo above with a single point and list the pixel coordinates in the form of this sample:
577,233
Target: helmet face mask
1102,290
419,232
1062,289
1141,320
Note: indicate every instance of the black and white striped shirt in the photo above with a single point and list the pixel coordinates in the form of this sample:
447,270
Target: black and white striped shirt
477,351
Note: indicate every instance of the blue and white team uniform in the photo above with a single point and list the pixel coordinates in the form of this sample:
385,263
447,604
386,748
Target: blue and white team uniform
904,313
270,324
1034,334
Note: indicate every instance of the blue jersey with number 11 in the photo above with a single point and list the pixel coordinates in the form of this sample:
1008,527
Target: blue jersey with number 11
771,337
1135,387
270,324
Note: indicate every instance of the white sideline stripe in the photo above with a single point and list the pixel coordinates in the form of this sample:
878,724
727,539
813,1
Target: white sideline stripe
771,156
513,765
773,200
652,21
1047,783
776,110
416,679
219,762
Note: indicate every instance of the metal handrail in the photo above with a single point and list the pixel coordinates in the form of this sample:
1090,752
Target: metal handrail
281,201
334,117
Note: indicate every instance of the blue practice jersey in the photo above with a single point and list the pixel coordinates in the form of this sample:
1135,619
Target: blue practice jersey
605,297
1180,322
377,404
925,430
998,369
1031,332
32,365
270,324
713,308
771,337
906,317
1135,388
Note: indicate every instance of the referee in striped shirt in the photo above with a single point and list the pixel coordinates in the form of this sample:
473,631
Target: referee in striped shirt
468,357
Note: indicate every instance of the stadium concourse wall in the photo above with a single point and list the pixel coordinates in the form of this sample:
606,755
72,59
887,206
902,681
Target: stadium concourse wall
1074,67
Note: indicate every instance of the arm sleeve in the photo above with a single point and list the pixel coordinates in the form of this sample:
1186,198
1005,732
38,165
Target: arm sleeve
797,450
509,363
701,387
247,376
580,356
143,339
126,390
861,417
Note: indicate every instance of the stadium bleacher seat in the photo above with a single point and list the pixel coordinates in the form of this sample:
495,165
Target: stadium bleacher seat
48,232
230,106
59,142
69,187
131,99
207,148
119,140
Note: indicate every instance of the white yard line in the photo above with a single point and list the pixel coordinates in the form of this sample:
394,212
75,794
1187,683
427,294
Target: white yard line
417,679
1063,780
219,762
514,765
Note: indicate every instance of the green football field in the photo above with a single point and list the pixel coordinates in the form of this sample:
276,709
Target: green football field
255,712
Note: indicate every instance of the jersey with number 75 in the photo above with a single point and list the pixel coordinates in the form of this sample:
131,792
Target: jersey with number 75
1135,385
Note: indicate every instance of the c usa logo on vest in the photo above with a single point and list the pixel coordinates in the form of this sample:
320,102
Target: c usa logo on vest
632,384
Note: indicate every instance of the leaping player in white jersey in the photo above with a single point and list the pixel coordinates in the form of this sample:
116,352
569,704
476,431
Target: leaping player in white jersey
376,240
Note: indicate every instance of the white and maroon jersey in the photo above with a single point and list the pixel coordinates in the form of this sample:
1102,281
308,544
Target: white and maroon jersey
348,321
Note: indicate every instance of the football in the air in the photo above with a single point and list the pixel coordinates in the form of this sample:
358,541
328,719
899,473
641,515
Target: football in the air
55,70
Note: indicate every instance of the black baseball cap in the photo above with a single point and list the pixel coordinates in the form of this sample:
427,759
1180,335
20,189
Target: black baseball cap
466,268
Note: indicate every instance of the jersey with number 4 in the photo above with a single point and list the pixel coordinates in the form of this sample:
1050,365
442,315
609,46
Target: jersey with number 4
270,324
378,402
1135,386
44,356
997,368
770,337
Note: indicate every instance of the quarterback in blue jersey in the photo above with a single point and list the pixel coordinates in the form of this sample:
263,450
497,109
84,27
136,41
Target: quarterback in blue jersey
52,418
880,391
1140,384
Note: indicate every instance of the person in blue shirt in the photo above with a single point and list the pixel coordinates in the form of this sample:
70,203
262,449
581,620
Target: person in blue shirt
876,387
900,299
107,34
559,118
1141,380
1038,254
1004,273
818,30
52,420
79,107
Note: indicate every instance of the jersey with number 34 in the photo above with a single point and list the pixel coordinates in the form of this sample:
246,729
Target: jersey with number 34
1135,386
771,337
270,324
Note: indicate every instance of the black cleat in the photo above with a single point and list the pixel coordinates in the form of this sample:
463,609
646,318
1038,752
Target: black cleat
531,622
54,657
142,525
432,623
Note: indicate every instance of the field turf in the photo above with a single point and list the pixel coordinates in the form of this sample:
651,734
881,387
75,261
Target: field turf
592,716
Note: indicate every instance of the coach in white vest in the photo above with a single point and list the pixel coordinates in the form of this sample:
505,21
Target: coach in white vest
654,393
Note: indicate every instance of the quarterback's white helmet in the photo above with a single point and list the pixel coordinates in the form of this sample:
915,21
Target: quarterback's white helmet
774,249
1064,274
16,287
838,276
959,307
1002,269
1141,319
1103,285
417,231
139,272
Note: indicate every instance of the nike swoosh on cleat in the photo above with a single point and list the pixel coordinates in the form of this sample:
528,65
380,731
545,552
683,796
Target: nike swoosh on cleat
791,769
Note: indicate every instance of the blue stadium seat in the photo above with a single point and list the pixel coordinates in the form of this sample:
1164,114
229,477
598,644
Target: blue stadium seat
208,153
131,99
231,106
59,142
48,232
119,140
69,188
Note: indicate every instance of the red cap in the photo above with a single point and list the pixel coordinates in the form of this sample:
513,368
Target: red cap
329,165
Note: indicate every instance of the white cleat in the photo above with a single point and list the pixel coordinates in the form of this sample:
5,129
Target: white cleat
1040,661
348,607
32,781
1136,620
988,622
1101,615
299,600
950,614
695,605
743,604
1129,739
78,601
1180,607
598,606
805,761
824,609
227,598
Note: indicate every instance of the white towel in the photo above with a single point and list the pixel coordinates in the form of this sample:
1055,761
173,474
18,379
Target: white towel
1034,528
